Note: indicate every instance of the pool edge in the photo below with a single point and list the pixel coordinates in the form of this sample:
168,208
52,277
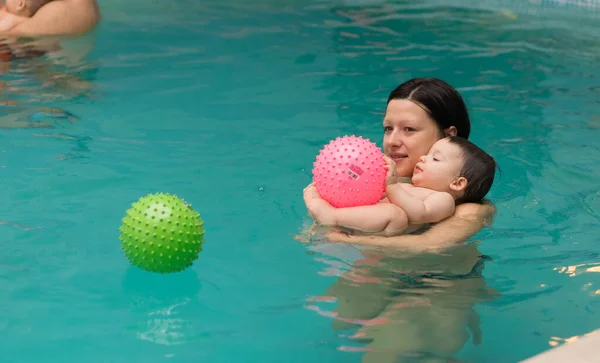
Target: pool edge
580,351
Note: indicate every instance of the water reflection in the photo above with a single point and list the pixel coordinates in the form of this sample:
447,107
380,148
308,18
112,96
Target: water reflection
20,116
405,306
556,341
158,303
36,72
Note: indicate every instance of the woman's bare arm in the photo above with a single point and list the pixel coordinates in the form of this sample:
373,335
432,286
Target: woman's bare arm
60,17
467,221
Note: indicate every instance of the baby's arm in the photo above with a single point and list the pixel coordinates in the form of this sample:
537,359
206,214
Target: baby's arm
434,208
381,218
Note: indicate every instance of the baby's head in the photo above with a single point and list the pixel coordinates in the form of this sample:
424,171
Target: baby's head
25,7
457,166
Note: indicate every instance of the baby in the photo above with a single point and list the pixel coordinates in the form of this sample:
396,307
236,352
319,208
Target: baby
454,171
16,11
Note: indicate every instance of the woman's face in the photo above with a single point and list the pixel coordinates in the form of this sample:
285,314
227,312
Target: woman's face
409,133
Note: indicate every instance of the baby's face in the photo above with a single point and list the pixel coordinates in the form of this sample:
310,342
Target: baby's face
440,167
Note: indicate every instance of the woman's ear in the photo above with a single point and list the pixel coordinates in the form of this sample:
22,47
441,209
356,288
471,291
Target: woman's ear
459,184
451,131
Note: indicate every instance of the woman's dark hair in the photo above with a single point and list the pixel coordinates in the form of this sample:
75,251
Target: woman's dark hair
440,100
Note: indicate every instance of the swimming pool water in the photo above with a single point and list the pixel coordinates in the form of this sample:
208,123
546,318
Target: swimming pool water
226,104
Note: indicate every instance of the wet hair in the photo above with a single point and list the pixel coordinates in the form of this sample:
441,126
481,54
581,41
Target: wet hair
479,168
440,100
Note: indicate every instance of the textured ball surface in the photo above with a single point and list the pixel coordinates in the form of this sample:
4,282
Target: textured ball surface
349,172
161,233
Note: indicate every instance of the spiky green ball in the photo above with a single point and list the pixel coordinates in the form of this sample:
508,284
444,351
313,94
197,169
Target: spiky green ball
161,233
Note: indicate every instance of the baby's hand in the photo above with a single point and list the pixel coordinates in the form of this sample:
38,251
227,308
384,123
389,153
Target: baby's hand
390,166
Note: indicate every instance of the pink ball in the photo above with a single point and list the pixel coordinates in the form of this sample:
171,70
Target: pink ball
349,172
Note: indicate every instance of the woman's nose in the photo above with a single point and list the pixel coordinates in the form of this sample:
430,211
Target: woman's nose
394,140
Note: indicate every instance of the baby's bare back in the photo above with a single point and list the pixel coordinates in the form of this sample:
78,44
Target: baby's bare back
418,192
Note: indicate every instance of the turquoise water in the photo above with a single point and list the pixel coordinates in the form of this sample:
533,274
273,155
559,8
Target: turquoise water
226,104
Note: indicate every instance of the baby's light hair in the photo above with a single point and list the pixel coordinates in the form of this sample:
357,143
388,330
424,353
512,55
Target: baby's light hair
478,168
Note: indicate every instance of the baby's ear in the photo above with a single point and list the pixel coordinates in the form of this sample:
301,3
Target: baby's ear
459,184
22,5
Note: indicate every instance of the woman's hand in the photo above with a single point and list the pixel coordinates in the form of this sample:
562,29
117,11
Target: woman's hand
468,220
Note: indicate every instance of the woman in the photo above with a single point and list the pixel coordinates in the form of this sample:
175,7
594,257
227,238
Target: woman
420,112
407,305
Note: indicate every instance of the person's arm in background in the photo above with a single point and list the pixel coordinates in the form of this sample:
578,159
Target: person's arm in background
60,17
54,22
467,221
